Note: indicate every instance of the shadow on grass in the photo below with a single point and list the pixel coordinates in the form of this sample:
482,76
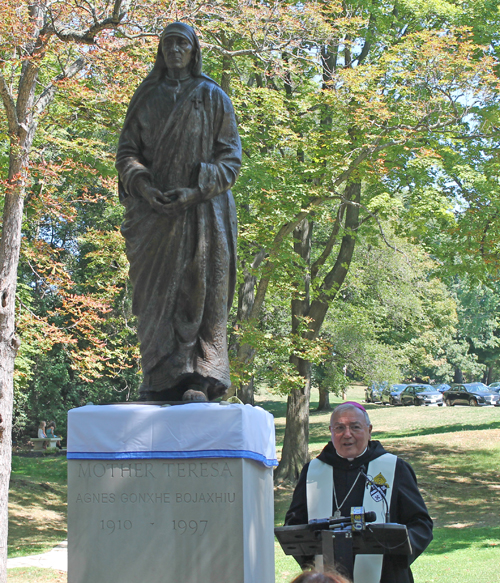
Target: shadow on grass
318,431
28,493
435,430
447,540
459,486
37,515
277,408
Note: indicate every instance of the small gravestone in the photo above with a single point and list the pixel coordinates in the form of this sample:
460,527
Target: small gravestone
182,493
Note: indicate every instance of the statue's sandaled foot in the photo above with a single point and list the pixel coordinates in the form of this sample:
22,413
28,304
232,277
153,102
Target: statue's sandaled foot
194,396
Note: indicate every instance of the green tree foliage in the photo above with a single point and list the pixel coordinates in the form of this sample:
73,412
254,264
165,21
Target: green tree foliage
75,306
390,321
356,118
479,325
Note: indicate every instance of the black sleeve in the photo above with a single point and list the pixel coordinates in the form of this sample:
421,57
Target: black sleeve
408,508
297,513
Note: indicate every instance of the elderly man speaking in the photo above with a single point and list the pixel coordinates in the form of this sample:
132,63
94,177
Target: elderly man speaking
334,482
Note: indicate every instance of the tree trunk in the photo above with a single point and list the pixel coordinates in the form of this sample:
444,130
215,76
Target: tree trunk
488,374
7,355
296,441
245,392
458,377
246,298
336,276
298,402
10,245
324,400
246,301
227,62
21,140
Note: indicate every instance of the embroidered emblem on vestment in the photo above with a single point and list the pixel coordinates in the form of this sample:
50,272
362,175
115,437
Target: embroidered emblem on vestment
382,487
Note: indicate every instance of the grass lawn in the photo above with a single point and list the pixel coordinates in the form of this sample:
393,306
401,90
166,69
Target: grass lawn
35,575
455,452
37,504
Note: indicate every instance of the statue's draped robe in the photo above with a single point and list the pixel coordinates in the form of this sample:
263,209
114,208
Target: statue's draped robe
183,267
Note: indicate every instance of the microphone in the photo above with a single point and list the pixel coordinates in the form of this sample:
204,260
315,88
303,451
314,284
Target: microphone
358,516
362,471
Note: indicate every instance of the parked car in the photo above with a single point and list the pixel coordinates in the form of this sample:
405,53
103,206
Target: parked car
373,392
495,387
473,394
478,385
441,387
421,395
391,394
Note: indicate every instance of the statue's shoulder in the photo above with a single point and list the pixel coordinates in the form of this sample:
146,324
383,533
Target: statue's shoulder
213,87
208,81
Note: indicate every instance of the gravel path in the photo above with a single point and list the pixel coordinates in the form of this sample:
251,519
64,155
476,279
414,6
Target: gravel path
57,559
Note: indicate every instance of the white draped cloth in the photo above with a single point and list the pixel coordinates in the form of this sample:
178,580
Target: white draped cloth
195,430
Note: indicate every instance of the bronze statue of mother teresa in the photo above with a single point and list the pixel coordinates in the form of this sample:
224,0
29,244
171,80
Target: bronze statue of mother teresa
178,156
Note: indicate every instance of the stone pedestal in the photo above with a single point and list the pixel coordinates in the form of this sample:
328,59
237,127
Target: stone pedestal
156,514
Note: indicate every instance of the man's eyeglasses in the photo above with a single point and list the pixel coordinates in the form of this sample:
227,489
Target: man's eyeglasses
353,428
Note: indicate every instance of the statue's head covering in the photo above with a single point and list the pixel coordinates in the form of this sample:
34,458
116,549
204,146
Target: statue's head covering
179,29
159,69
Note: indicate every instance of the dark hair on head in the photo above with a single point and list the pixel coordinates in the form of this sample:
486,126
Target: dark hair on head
316,577
51,424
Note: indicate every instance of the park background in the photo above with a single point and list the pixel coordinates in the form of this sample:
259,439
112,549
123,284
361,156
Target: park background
367,202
